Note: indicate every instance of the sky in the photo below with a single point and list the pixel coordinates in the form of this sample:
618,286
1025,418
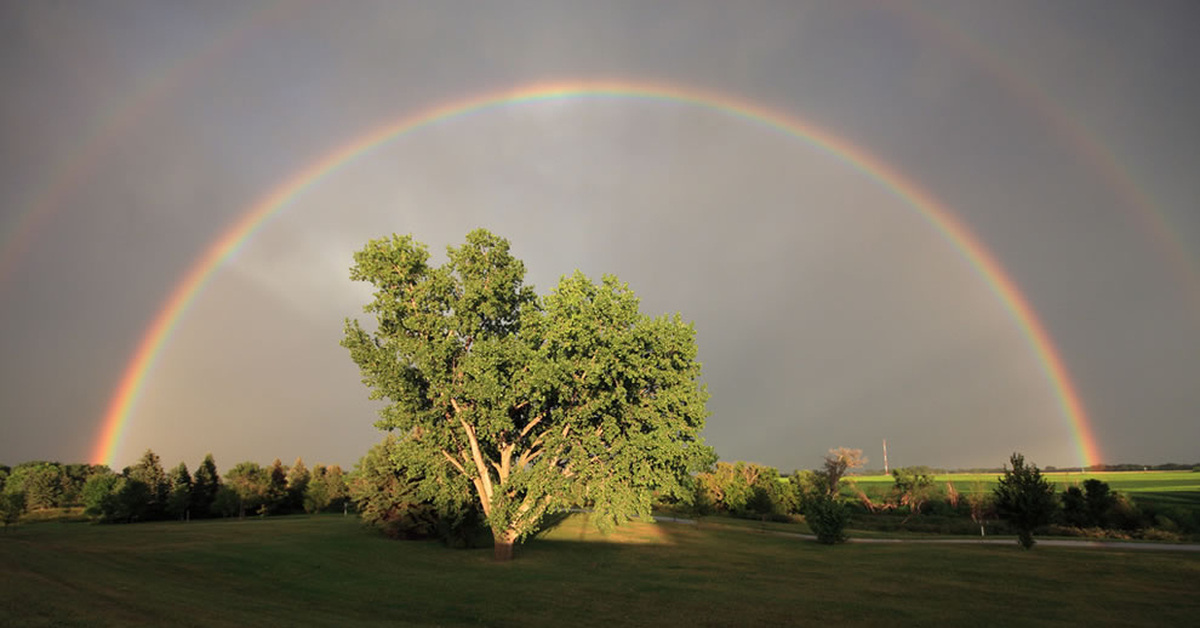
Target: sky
829,309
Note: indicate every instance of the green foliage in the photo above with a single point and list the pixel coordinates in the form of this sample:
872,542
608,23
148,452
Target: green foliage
806,486
4,471
837,462
12,505
913,487
205,485
277,488
226,503
250,483
326,489
179,496
827,517
149,471
1024,499
129,502
40,482
297,481
387,498
531,405
98,493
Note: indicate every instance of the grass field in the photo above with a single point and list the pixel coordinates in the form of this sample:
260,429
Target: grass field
328,570
1132,482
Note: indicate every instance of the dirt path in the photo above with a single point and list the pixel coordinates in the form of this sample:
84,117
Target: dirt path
1125,545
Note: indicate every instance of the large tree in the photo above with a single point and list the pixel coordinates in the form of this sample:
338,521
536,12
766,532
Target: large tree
530,405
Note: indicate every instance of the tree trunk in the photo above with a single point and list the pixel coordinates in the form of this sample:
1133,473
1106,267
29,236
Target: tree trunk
503,547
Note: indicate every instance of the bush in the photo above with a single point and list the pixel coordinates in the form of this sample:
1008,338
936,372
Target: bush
1154,534
827,518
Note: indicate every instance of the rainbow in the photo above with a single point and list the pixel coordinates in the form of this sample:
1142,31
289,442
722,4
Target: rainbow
1153,220
938,216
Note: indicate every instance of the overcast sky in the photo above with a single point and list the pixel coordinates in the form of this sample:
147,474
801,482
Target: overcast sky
828,312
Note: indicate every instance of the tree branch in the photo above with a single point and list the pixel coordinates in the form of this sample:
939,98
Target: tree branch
457,464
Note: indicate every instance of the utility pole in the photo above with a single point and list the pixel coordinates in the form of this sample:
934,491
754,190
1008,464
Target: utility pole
885,467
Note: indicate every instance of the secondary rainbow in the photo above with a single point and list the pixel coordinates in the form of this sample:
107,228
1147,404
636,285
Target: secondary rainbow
937,215
1114,175
156,88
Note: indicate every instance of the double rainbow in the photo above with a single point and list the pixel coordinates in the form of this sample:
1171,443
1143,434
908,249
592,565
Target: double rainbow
937,215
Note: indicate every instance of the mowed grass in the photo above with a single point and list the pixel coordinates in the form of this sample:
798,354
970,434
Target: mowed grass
330,571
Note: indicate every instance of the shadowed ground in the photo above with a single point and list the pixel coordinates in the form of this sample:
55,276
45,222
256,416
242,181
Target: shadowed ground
328,570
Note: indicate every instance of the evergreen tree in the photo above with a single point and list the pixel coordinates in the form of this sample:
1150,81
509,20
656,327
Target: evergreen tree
205,485
276,492
1025,499
297,481
149,471
179,499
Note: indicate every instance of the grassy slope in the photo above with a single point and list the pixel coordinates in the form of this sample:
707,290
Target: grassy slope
329,571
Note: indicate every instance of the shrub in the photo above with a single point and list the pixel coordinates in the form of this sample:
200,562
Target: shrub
1024,499
827,518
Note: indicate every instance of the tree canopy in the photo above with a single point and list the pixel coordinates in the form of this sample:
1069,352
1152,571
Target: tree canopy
530,404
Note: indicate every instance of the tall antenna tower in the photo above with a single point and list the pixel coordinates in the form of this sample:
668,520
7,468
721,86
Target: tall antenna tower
885,467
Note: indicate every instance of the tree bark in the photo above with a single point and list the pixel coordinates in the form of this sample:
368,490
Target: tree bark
503,548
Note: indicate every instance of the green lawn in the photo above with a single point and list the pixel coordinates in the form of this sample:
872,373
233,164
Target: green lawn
328,570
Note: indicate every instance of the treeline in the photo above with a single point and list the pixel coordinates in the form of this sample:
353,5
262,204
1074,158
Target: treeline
916,502
147,492
1096,468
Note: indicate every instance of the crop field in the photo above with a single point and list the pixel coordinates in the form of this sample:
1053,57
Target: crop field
1133,482
329,570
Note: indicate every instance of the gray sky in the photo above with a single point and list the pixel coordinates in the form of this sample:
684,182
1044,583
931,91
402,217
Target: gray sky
828,312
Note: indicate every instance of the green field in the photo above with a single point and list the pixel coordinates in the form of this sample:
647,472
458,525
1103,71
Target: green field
328,570
1132,482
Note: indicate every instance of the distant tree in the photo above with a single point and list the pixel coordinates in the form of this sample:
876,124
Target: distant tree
149,471
1075,508
42,484
251,483
73,478
4,471
277,489
699,502
336,487
12,505
179,497
837,462
981,504
131,501
98,494
205,485
316,494
529,405
226,503
297,482
1025,499
806,486
912,487
729,486
770,496
1100,501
